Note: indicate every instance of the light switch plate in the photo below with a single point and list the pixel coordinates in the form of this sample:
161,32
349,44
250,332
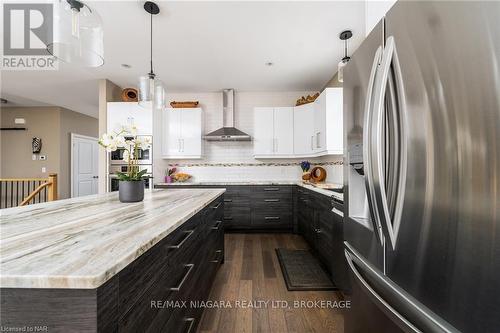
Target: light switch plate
44,169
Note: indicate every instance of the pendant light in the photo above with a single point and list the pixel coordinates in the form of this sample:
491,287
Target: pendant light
344,35
150,86
78,34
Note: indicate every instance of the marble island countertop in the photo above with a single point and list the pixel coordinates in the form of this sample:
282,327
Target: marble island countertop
319,188
83,242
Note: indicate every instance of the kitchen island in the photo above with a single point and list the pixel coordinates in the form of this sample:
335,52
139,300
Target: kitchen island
93,264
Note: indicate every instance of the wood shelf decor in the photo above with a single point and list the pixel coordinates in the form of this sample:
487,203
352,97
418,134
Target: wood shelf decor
306,100
187,104
129,95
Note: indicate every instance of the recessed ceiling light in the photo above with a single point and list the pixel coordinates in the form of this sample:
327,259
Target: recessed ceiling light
269,63
126,66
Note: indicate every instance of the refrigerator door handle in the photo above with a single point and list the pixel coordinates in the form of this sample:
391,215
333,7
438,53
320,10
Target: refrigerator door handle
426,320
367,147
390,225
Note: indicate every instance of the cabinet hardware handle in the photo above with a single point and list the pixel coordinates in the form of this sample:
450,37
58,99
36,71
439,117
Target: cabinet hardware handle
317,140
217,225
178,246
178,288
317,230
217,206
271,200
312,142
191,323
228,200
340,202
216,261
271,218
272,189
337,211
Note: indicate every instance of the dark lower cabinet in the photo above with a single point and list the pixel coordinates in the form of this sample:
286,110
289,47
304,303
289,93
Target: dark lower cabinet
144,297
323,230
255,208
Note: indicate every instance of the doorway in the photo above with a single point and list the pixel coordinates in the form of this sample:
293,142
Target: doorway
84,165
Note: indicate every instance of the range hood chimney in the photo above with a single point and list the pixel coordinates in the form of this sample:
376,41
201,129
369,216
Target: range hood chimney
227,132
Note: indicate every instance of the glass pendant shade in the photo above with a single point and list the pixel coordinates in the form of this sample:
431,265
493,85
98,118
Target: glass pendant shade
78,34
340,72
151,92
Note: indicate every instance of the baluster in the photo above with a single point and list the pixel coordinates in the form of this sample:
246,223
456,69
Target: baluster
11,194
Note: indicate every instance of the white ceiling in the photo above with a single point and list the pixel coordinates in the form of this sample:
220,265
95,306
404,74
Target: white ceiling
205,46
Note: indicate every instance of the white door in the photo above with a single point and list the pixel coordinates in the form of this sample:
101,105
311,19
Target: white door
303,130
171,144
263,131
283,131
84,175
191,132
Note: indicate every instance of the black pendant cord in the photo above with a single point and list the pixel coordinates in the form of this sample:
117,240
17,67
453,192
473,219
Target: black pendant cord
151,73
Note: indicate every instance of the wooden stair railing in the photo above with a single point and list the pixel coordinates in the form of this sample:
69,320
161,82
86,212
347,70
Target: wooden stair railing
23,191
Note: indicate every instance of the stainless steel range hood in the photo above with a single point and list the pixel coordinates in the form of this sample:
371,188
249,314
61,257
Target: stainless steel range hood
227,132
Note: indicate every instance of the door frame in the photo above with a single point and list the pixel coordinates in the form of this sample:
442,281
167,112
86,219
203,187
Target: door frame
72,140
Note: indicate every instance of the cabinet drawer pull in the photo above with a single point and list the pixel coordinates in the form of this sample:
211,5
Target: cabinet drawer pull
216,261
317,230
191,324
217,206
271,218
337,211
272,189
178,288
178,246
271,200
217,225
228,200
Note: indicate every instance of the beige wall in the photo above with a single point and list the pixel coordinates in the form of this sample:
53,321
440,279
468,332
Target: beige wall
333,83
16,145
72,122
108,92
53,125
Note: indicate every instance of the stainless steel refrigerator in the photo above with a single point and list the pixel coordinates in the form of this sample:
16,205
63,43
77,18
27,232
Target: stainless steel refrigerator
422,170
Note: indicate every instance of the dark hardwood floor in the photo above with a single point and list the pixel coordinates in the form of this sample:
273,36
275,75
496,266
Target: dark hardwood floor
251,272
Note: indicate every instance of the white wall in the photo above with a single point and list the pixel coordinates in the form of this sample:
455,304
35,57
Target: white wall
233,161
374,11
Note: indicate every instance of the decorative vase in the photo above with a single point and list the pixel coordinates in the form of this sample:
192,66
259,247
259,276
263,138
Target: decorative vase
168,179
306,176
131,190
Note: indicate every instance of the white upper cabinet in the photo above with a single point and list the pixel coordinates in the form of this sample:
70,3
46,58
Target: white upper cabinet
182,136
309,130
263,137
121,114
328,122
303,130
283,131
273,132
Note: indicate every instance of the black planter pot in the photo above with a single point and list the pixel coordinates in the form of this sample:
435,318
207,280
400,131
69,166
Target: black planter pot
131,190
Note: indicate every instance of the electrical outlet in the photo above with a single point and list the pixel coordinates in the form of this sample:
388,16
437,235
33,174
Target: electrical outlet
42,157
44,169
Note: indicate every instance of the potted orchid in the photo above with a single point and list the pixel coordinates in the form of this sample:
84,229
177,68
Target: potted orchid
131,183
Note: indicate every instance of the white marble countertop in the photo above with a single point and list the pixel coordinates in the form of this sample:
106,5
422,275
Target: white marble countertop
310,186
83,242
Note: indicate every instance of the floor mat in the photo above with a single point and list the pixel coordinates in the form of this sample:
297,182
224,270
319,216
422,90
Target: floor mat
303,271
